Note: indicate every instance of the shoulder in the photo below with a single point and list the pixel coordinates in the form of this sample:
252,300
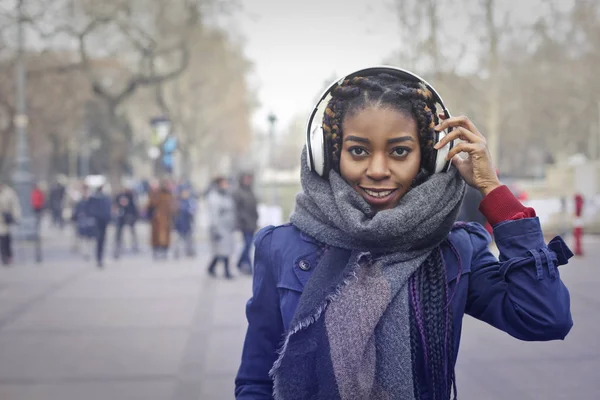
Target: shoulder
281,235
284,245
471,230
468,238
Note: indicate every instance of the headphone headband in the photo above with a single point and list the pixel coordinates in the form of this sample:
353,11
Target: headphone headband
321,165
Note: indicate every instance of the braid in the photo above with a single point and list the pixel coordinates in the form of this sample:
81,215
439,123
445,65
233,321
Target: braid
358,93
433,354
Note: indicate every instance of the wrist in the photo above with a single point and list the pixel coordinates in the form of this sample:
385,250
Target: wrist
488,188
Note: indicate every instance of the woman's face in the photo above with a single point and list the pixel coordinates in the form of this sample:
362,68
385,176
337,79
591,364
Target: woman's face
380,155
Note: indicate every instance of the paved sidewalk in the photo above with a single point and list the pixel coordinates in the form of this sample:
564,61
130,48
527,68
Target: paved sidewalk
138,329
148,330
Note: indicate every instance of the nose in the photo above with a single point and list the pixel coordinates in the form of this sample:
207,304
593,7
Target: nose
378,169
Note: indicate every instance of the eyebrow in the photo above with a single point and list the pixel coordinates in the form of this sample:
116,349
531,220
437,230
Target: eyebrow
390,141
401,139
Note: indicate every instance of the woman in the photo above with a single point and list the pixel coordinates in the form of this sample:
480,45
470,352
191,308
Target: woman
161,209
367,287
221,211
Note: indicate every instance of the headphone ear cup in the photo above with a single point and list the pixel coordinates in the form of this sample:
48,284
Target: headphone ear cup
440,163
317,154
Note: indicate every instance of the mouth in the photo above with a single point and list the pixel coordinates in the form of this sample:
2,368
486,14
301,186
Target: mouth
378,197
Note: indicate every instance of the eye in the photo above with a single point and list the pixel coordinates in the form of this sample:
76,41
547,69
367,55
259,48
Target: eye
401,151
357,151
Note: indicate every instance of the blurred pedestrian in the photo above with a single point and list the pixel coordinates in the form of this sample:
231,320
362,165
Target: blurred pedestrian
161,209
10,213
56,202
126,215
221,211
247,218
85,224
98,206
38,202
184,223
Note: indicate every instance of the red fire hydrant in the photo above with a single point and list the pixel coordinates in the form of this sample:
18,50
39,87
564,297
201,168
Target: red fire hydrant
578,224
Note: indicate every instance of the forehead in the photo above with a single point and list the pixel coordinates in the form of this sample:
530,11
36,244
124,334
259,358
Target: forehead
380,121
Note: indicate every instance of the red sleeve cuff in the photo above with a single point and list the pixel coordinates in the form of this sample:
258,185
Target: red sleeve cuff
501,205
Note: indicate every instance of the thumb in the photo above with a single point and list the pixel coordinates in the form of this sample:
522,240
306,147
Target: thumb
462,165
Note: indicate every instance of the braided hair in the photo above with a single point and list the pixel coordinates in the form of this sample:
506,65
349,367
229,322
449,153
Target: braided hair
432,339
382,90
431,330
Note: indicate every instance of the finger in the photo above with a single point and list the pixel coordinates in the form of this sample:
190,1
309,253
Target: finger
463,147
459,162
442,116
456,122
459,133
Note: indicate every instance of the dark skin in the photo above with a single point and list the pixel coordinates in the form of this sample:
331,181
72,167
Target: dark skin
477,169
381,155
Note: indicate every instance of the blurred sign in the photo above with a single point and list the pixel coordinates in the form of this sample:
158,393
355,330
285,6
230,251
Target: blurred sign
170,144
586,178
153,152
161,127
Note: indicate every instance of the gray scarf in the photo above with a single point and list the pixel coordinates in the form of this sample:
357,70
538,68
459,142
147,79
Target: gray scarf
361,311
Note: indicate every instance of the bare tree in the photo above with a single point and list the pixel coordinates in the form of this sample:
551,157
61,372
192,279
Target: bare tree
121,46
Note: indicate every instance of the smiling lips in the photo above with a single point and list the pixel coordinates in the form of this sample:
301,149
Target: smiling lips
379,193
378,197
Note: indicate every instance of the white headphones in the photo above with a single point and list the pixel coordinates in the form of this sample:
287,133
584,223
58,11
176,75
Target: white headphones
317,146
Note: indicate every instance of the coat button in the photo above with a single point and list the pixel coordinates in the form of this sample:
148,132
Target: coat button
304,265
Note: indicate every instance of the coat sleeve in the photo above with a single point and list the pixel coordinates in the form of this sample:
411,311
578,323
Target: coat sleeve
521,293
265,327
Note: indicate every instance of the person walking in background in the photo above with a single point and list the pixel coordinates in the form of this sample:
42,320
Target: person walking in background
247,217
10,213
221,211
98,206
161,209
56,202
38,202
126,215
184,223
85,225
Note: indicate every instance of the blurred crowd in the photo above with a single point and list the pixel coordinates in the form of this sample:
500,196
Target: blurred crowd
170,207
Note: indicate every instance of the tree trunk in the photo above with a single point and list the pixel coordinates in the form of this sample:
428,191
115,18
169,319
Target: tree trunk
493,119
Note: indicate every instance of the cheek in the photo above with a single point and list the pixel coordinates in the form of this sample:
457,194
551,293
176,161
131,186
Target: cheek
407,170
349,169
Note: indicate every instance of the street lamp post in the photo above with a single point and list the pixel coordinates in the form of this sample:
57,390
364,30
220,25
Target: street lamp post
21,177
272,118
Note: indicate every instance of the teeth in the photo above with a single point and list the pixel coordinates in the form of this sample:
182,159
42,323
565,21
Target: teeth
378,194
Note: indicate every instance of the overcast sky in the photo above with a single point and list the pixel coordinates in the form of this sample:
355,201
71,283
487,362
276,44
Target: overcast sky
298,45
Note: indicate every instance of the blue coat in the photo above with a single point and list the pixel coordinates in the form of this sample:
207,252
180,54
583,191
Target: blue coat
521,294
184,219
99,206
